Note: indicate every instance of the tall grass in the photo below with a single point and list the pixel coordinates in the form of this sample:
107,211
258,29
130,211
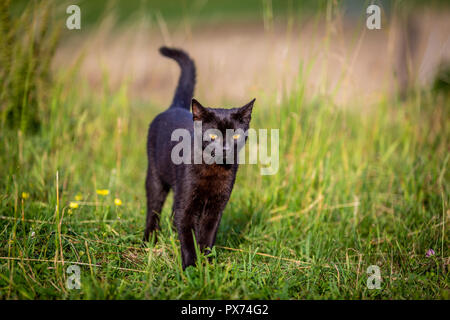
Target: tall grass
27,45
355,188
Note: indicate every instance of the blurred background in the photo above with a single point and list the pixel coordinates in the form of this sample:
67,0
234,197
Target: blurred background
364,126
256,46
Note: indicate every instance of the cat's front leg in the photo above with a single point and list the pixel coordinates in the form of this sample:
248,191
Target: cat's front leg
185,225
208,226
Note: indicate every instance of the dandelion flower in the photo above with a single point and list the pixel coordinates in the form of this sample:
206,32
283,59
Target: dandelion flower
25,195
73,205
103,192
78,197
117,202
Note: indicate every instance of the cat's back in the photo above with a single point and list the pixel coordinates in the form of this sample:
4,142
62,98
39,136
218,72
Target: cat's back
174,118
159,143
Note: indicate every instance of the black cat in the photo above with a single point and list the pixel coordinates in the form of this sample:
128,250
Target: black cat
201,191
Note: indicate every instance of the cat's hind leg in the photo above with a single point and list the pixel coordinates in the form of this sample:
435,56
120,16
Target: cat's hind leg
156,195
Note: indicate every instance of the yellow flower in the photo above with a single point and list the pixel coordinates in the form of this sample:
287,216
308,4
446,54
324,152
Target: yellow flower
117,202
73,205
78,197
25,195
103,192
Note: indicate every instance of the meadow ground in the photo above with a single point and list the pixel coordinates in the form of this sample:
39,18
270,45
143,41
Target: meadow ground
352,190
356,187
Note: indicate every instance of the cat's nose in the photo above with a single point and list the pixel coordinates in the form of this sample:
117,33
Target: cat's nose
226,147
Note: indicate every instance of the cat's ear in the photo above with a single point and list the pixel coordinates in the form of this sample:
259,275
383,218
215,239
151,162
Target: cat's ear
199,112
245,113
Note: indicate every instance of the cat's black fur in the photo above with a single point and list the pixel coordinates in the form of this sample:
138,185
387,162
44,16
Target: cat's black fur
201,191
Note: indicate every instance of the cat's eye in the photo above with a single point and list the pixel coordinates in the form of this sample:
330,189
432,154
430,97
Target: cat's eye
212,136
236,136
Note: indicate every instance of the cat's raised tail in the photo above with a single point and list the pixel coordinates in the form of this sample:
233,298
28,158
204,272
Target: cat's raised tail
186,82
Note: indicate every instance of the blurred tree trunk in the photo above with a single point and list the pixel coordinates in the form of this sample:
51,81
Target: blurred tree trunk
408,36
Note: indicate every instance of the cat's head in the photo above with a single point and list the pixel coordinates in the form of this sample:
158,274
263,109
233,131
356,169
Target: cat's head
217,124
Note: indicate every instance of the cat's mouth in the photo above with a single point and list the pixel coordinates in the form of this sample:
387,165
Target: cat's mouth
223,160
226,166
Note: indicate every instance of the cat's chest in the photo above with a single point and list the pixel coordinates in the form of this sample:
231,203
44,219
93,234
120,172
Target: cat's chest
214,184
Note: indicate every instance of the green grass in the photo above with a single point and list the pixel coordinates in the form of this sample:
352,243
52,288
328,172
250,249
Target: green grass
355,188
180,11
